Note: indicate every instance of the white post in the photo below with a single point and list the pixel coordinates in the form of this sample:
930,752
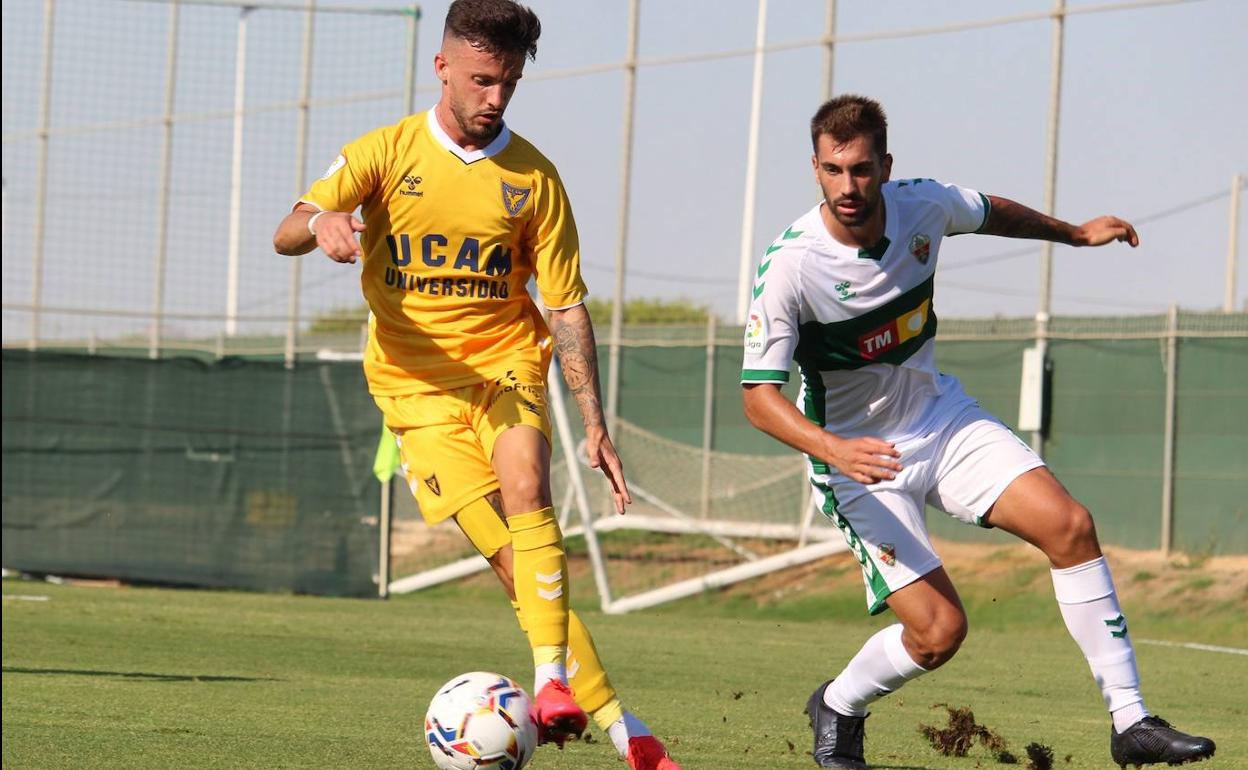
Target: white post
1050,196
829,48
559,415
1167,461
708,414
165,172
301,164
1232,246
41,174
744,281
236,175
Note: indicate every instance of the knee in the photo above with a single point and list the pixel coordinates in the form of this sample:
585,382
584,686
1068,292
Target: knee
525,493
936,643
1074,540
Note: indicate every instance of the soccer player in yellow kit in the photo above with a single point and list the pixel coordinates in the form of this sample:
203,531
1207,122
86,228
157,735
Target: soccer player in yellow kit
458,214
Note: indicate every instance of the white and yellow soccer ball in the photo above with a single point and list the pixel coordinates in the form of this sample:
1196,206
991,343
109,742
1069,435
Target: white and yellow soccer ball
480,721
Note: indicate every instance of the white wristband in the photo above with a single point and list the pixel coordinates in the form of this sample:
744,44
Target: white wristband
312,221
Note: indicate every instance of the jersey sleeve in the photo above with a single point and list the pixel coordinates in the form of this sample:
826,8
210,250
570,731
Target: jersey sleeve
556,247
352,177
772,323
966,210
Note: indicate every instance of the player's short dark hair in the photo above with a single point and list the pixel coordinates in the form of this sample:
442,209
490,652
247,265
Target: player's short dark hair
495,26
848,117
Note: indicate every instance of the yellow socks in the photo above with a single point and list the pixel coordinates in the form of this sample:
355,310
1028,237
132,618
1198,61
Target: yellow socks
540,569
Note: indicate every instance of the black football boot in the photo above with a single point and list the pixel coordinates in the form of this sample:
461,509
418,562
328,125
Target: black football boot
838,738
1152,741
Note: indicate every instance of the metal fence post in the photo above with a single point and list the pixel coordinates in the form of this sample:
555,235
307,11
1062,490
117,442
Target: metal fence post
301,165
41,173
829,48
1232,246
746,263
708,415
236,175
1167,452
1050,197
165,172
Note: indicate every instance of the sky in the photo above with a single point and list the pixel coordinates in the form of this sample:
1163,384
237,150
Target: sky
1152,129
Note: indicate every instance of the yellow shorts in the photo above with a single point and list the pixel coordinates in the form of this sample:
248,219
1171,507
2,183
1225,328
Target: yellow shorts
446,438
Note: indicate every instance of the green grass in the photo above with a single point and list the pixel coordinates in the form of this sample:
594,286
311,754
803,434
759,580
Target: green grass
153,678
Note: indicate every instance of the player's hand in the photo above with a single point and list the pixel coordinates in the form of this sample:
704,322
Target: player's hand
335,234
865,460
1103,230
602,456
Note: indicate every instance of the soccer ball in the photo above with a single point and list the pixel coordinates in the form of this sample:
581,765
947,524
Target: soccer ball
480,721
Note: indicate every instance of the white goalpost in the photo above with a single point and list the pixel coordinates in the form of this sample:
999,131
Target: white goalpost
662,477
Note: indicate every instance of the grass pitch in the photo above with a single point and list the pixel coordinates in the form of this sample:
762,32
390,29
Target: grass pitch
158,678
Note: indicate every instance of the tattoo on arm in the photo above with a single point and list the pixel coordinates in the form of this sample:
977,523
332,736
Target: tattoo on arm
1014,220
578,356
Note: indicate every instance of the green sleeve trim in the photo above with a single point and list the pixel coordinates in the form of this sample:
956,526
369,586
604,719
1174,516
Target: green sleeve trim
987,212
764,375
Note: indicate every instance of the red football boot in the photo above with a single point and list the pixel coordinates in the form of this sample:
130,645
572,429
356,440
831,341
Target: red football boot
557,715
645,752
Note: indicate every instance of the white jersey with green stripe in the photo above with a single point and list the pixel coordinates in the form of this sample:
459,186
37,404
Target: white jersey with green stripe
859,323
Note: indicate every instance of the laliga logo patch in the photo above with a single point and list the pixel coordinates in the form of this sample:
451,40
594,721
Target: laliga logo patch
888,554
755,334
921,248
514,198
335,167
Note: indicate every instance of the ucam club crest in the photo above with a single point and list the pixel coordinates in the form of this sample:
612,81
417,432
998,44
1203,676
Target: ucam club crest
514,198
921,248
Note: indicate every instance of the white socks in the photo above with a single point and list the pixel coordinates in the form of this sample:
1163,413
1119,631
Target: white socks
624,728
1089,605
547,672
881,666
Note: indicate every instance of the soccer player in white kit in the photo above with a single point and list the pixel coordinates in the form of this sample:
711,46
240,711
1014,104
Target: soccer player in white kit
846,293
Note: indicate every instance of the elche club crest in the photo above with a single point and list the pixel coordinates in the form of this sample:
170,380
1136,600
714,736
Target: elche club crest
921,248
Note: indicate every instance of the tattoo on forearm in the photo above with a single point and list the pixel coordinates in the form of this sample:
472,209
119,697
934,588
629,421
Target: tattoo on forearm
578,356
1014,220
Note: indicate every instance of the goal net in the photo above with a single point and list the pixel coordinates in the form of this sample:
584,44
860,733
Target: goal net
700,520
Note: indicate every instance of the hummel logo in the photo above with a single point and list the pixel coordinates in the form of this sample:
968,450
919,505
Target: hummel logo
1119,623
552,580
410,182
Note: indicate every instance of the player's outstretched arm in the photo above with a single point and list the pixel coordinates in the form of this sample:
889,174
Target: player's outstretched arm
864,459
573,335
335,233
1014,220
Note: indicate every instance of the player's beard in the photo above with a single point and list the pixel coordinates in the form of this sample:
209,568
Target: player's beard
481,134
861,217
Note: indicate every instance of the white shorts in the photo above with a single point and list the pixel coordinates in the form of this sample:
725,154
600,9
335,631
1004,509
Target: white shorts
961,468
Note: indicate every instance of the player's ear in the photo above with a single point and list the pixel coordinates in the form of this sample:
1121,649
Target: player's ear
888,167
440,67
814,163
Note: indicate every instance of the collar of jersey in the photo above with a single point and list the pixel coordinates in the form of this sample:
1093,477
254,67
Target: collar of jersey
876,252
489,151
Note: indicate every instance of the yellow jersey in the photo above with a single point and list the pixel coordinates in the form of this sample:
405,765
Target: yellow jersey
451,240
